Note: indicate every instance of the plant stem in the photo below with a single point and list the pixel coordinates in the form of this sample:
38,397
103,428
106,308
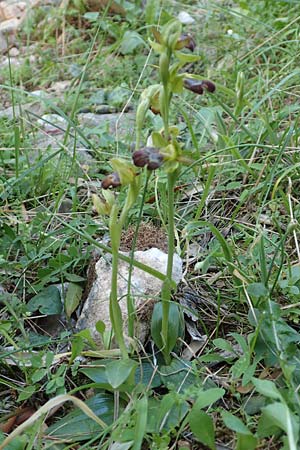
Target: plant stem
114,307
130,301
166,291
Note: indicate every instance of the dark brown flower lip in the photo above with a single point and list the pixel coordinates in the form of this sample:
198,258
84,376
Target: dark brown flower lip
148,156
193,85
209,85
111,180
198,86
186,41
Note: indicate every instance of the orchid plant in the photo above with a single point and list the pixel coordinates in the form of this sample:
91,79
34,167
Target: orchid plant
165,153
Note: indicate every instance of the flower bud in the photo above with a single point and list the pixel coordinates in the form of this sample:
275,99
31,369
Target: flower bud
193,85
209,85
186,41
148,156
111,180
198,86
164,62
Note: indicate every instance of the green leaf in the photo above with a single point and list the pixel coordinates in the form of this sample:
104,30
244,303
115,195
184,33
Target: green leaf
100,327
141,422
257,290
246,442
267,388
38,375
240,366
203,428
280,416
76,426
118,371
73,298
26,393
265,427
222,344
48,301
158,140
165,414
73,277
174,326
186,57
144,375
179,374
208,397
152,11
18,443
130,42
234,423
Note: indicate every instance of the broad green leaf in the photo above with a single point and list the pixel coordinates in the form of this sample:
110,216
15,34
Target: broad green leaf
143,375
76,426
234,423
73,277
165,414
72,299
174,326
100,326
130,42
26,393
203,428
267,388
118,371
222,344
48,301
18,443
246,442
257,290
280,415
178,375
241,341
186,57
240,366
208,397
141,422
92,16
152,11
39,375
158,140
265,427
121,445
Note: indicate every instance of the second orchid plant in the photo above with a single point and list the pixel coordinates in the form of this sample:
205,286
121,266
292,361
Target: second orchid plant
165,153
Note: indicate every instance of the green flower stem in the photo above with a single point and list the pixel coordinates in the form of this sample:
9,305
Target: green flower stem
166,290
130,302
114,307
172,176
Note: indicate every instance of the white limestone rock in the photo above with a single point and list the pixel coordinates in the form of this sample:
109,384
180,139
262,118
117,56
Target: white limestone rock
144,288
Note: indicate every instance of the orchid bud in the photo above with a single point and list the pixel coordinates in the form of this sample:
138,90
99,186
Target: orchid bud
198,86
193,85
111,180
186,41
103,204
148,156
164,62
209,85
124,169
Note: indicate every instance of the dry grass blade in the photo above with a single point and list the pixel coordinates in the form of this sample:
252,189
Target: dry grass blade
54,402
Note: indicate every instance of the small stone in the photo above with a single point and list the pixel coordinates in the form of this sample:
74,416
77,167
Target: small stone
52,123
13,52
3,43
185,18
10,26
60,86
121,124
145,289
